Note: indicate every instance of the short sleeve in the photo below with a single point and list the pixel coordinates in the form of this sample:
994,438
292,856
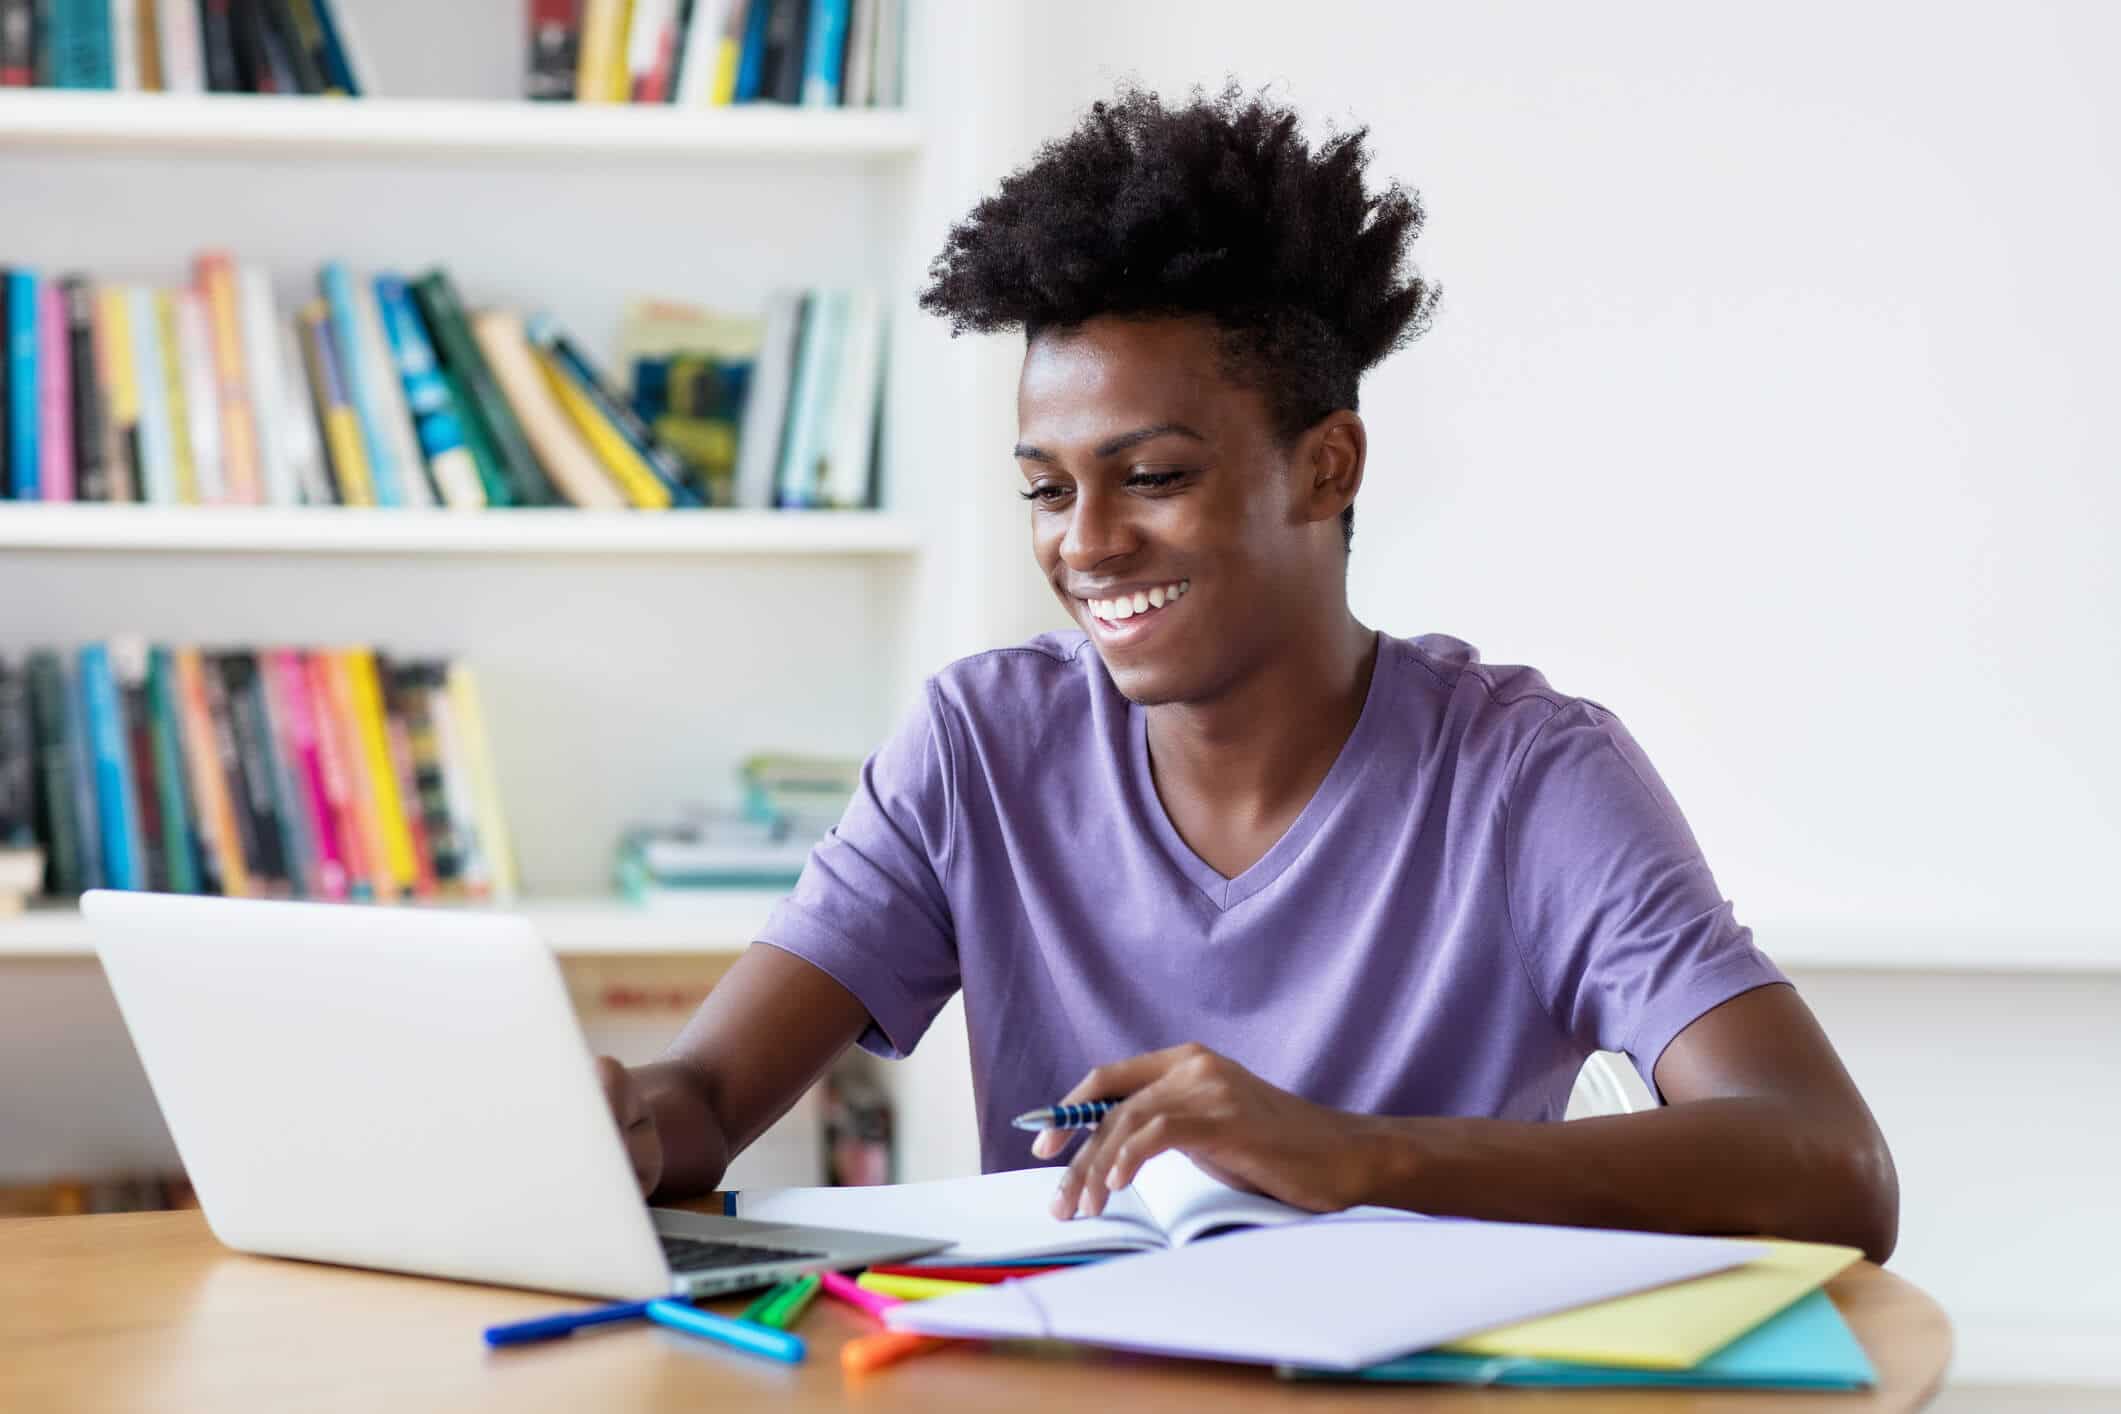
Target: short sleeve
869,908
1622,928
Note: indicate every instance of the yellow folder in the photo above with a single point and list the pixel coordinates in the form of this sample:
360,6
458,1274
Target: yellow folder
1671,1327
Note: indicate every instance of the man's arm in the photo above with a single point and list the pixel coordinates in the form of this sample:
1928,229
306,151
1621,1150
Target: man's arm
763,1036
1764,1133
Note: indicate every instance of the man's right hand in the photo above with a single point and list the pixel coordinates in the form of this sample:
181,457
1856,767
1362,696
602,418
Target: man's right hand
636,1120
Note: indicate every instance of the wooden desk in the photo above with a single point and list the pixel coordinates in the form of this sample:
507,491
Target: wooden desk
146,1311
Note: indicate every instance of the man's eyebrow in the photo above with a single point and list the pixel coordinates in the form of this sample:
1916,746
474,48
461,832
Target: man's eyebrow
1114,445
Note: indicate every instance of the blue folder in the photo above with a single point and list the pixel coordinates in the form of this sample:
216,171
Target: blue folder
1806,1346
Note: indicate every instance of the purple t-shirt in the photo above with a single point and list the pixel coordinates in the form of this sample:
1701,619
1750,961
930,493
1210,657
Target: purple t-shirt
1490,883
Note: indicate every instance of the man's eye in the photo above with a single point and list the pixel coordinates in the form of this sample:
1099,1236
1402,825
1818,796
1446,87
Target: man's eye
1047,492
1155,480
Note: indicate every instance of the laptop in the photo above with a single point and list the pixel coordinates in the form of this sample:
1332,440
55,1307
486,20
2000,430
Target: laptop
408,1089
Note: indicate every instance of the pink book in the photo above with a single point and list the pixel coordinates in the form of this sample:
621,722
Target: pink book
332,762
55,412
301,719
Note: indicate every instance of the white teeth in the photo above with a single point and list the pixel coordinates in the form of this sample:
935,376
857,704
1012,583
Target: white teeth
1156,598
1141,603
1123,608
1126,607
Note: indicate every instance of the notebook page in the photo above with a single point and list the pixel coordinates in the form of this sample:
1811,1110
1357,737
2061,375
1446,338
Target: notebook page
1187,1203
986,1216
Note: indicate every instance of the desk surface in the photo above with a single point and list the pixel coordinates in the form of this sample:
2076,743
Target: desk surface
147,1311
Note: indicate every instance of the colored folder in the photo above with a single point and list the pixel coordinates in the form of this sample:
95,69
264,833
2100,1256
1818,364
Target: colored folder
1673,1327
1807,1346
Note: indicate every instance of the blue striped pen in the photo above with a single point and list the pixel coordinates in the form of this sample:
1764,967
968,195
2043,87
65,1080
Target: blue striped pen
1080,1116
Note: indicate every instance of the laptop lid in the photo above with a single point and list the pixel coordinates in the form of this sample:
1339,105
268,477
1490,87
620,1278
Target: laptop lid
395,1088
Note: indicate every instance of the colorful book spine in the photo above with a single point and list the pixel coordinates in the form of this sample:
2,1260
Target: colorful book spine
86,434
336,753
822,72
750,80
359,380
50,721
817,365
427,397
121,389
158,456
176,32
560,449
370,722
55,396
297,418
408,693
23,413
651,45
118,808
299,713
81,769
180,845
215,275
19,808
220,850
255,800
486,404
470,719
290,810
264,401
362,781
626,467
244,824
611,407
414,488
342,70
473,870
600,69
342,426
555,49
194,414
398,736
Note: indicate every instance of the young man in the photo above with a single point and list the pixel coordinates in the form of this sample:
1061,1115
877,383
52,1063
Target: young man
1340,913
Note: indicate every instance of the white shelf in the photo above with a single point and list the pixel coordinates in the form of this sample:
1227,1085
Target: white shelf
347,530
2042,950
250,125
718,923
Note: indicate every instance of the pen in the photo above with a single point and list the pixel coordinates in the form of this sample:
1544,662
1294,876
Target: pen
550,1327
757,1310
775,1345
873,1302
1079,1116
985,1276
913,1288
790,1303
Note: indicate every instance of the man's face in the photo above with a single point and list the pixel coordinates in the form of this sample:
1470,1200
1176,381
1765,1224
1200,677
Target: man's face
1164,512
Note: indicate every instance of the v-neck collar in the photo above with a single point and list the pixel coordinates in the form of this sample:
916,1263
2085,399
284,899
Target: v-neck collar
1340,779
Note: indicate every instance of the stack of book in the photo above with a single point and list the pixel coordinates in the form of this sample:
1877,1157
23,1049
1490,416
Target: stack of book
710,53
329,774
180,46
790,803
379,391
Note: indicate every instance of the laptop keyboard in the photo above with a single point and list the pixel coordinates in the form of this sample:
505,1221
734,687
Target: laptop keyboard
690,1254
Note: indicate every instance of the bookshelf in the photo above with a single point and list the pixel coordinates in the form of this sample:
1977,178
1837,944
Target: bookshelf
627,661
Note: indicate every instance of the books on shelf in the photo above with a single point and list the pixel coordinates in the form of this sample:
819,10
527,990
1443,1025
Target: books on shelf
182,46
712,53
326,773
383,391
789,804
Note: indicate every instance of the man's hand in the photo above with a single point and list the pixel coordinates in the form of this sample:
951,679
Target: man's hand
1231,1123
636,1120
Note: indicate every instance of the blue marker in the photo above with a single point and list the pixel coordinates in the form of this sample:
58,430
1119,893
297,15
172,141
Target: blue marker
759,1340
551,1327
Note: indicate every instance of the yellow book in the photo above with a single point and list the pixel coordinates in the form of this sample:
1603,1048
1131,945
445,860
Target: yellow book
209,784
727,50
626,465
603,44
342,429
1671,1327
470,724
369,721
215,276
173,395
360,777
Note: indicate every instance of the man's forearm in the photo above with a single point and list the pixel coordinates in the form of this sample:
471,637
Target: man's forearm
1744,1166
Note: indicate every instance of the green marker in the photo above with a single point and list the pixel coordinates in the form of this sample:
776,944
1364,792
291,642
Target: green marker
789,1305
756,1311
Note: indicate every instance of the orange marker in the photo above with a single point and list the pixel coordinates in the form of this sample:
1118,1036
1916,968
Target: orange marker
873,1352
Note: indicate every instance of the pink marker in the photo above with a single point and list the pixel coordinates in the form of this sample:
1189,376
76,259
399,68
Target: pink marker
874,1302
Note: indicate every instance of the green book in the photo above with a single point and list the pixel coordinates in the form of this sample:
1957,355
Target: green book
180,842
444,313
493,480
49,724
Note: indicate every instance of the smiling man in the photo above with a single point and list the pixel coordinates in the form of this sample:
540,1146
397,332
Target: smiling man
1339,913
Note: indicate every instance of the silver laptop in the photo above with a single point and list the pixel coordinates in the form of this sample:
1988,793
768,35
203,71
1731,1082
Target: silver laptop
408,1089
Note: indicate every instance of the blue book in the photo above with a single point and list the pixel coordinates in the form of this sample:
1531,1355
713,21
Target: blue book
360,377
823,66
118,809
751,59
22,409
338,56
810,405
295,844
1806,1346
80,41
81,772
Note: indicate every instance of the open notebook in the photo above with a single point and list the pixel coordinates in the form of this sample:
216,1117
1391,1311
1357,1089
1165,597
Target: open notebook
1004,1216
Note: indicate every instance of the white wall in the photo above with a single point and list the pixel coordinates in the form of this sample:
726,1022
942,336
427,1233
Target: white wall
1760,409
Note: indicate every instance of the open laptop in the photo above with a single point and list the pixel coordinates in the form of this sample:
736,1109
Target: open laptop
408,1089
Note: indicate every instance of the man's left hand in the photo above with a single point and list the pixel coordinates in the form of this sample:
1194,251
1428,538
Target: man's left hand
1227,1120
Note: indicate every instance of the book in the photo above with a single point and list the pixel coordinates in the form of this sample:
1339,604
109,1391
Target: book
396,855
23,413
554,49
858,88
361,377
626,467
18,43
787,36
221,864
291,46
1375,1284
707,67
406,689
177,41
825,54
337,753
179,843
55,397
217,44
796,484
51,726
87,436
272,866
297,419
560,450
295,712
147,373
651,50
308,28
766,406
245,827
81,769
850,440
345,69
750,79
214,273
195,411
138,50
602,51
415,489
641,453
489,415
117,809
274,477
82,44
112,330
469,719
886,69
297,849
428,398
345,450
397,734
18,762
474,872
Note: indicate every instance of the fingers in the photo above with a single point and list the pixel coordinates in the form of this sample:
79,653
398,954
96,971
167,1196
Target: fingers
635,1120
1116,1081
1143,1127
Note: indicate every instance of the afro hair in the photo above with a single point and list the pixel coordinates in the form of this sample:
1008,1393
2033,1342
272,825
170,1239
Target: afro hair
1220,209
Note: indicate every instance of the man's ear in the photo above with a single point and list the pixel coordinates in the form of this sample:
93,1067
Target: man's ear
1331,456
